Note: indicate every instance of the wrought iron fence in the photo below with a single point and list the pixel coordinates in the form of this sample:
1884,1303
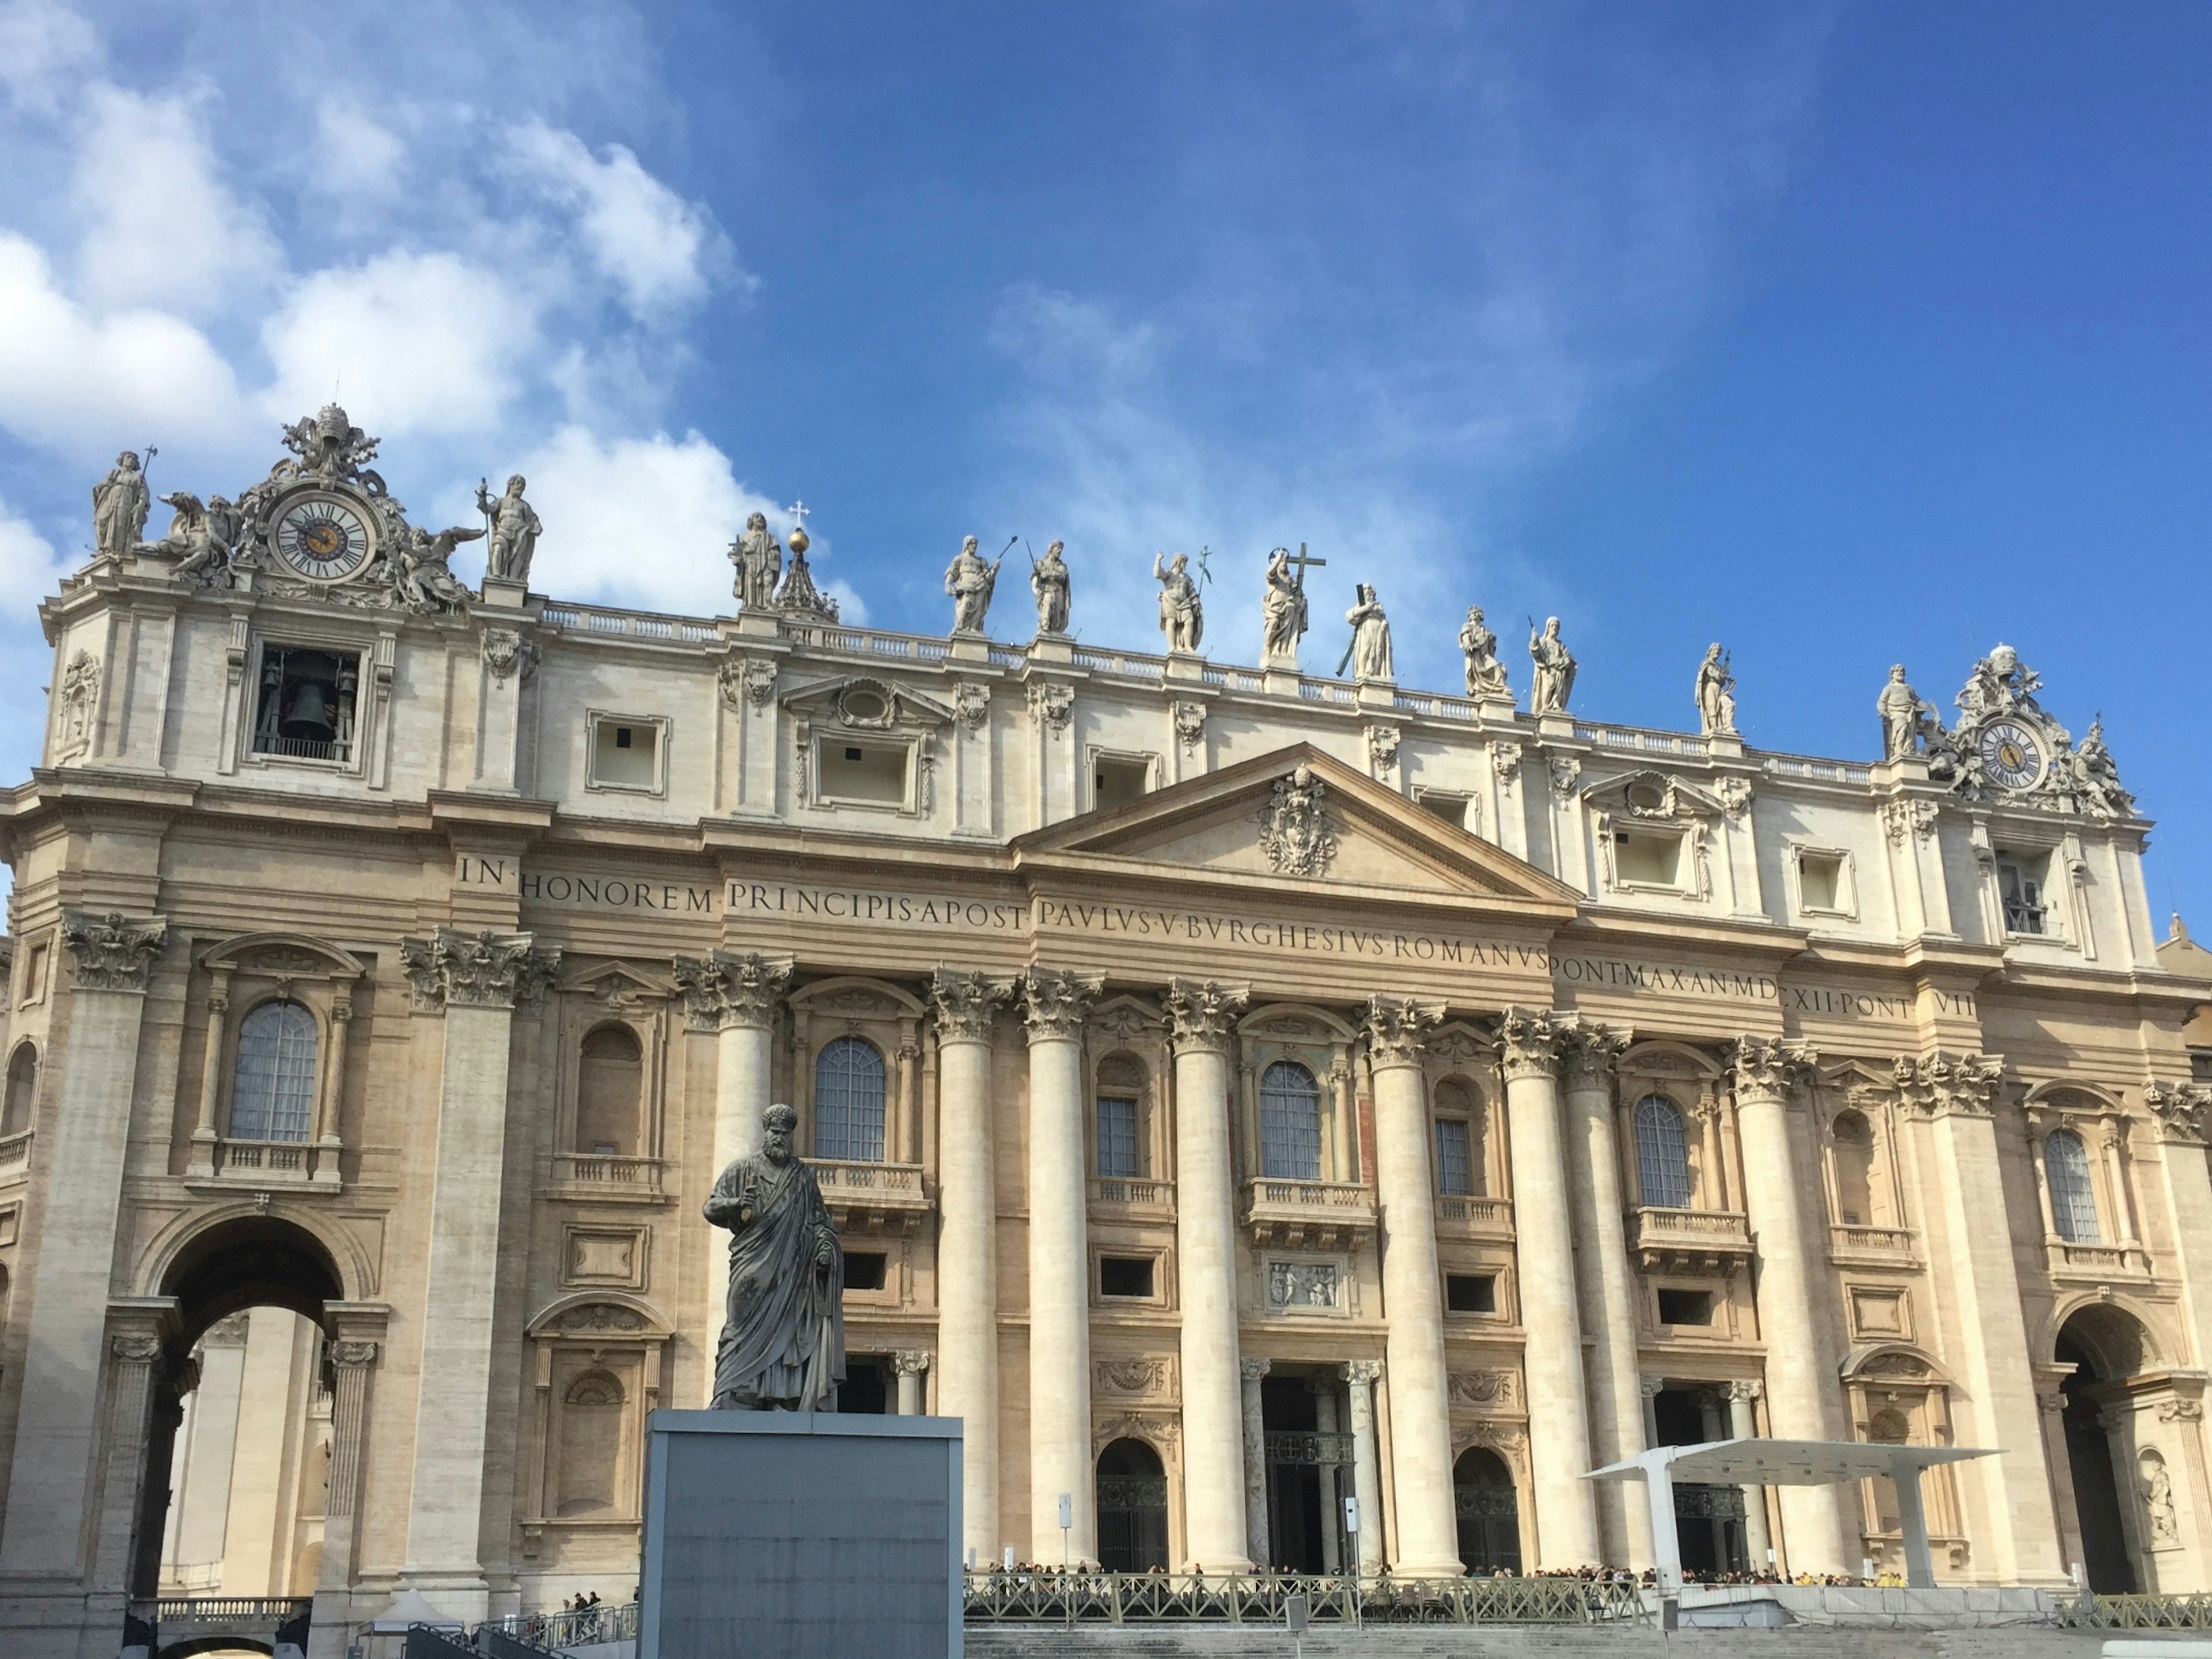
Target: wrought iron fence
999,1597
2138,1612
570,1627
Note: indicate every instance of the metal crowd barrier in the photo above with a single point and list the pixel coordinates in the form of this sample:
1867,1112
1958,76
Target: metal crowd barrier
2139,1612
571,1627
1068,1598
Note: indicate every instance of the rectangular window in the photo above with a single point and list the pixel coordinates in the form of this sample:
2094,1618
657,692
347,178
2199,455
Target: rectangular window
1452,809
2020,889
863,1270
1471,1292
1454,1168
2200,1059
1648,858
872,774
1116,781
1126,1276
1117,1139
625,753
34,974
305,708
1686,1307
1820,881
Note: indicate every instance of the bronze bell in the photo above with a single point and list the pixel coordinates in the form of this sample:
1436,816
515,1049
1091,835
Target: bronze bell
309,716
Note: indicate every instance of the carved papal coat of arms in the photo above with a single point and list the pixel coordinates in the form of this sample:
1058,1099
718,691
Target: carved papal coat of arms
1295,831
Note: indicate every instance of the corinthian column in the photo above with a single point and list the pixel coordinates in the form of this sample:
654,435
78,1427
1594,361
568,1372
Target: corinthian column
1053,1001
967,1241
1412,1292
475,981
1607,1287
734,996
1802,1400
1552,1354
66,1353
1201,1017
352,1358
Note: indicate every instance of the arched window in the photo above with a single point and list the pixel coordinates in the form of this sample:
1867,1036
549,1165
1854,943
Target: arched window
23,1091
1662,1154
610,1083
1122,1084
1488,1513
1289,1122
273,1095
848,1101
1133,1507
2073,1197
1853,1140
1459,1173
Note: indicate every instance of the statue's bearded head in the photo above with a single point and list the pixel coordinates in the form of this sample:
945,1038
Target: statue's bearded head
758,521
516,484
777,1123
1897,673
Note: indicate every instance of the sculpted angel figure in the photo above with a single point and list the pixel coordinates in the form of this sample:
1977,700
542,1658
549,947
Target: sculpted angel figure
1182,614
782,1345
1371,658
119,506
1048,580
1716,693
1485,675
1282,610
759,561
424,581
1554,681
1907,721
514,530
969,578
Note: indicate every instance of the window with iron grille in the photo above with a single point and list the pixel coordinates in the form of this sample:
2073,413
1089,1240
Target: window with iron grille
2020,886
1117,1138
848,1101
1454,1166
1289,1122
272,1092
1662,1154
2073,1197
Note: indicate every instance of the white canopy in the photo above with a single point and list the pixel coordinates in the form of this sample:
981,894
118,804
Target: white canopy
1758,1462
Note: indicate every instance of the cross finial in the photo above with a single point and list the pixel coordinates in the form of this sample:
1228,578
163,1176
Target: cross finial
798,511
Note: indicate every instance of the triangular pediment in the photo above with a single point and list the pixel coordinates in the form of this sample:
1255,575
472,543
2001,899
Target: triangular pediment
1295,819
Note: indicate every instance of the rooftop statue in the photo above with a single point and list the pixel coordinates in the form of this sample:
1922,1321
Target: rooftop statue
425,582
119,506
1370,652
969,580
1182,613
1715,694
514,530
1909,722
759,561
782,1346
1554,680
201,538
1283,607
1048,580
1485,675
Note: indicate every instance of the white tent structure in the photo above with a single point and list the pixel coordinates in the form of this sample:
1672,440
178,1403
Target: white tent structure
1760,1462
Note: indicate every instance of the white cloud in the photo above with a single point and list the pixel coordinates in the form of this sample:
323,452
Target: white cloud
161,227
68,380
416,343
658,248
46,51
28,570
355,157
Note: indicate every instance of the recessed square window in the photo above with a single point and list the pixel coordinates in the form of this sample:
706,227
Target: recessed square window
1128,1276
863,1270
1686,1307
1475,1293
1648,858
1452,809
1819,880
1117,780
625,753
867,772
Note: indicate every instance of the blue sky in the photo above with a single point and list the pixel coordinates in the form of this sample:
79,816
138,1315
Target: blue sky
1844,334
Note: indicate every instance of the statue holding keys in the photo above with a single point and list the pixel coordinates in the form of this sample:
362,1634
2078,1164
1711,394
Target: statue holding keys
782,1346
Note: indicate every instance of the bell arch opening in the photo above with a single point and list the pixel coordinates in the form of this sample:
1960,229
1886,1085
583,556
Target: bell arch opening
2104,1346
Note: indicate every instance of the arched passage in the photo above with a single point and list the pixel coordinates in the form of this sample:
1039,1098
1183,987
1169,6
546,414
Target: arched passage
1133,1507
1489,1512
2104,1346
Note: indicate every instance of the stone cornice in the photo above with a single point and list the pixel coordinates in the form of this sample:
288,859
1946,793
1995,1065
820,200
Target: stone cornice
1202,1013
1397,1029
477,970
725,989
1056,1000
1768,1068
966,1002
1949,1085
112,952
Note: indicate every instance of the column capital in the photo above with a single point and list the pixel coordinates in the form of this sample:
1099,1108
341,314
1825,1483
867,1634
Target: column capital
354,1351
1949,1085
1590,1051
1768,1068
910,1362
477,970
1254,1370
966,1001
1745,1390
113,952
2182,1110
1202,1013
1054,1001
726,988
1357,1371
1397,1028
1529,1042
1653,1387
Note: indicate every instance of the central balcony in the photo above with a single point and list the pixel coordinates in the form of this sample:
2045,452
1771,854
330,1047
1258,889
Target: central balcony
872,1198
1710,1242
1133,1198
1472,1216
1322,1215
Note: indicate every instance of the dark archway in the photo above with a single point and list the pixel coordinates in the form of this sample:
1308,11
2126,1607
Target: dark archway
1133,1507
2104,1345
1489,1512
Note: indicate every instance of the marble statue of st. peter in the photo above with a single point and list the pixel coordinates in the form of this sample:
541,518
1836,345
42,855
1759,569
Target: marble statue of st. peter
783,1335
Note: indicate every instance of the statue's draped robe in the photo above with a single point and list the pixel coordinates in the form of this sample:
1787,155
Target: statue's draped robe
783,1338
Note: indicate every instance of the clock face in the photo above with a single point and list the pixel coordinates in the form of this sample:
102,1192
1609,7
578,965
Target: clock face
324,538
2010,754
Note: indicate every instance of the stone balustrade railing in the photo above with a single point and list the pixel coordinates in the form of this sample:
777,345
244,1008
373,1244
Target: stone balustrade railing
1692,1241
607,1169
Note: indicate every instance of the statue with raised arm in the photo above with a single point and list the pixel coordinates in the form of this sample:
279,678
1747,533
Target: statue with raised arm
1715,692
1485,675
1283,609
969,580
424,581
1182,613
1048,580
119,506
1372,656
782,1346
1554,681
514,530
1907,720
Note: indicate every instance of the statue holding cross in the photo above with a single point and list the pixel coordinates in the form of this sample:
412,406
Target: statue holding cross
1283,608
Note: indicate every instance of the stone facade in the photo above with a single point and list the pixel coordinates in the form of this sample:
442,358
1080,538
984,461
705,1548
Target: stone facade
1237,1092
